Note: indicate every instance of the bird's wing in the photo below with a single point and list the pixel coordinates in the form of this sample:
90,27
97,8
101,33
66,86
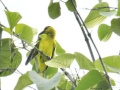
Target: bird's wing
32,54
53,52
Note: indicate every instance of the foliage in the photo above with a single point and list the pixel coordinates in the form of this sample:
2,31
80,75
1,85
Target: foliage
54,10
10,57
23,81
111,63
95,78
104,32
94,16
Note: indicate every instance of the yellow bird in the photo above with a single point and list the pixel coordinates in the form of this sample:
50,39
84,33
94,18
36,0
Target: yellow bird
46,44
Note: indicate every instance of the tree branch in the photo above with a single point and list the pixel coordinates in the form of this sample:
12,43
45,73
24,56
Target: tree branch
85,36
79,20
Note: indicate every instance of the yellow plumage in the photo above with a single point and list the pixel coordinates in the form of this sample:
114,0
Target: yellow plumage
46,43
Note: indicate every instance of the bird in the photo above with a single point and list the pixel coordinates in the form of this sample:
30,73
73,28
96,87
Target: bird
44,49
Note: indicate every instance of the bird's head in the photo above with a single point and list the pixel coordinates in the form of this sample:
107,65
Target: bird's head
48,32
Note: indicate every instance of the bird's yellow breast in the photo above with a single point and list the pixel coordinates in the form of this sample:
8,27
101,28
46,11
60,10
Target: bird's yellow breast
47,46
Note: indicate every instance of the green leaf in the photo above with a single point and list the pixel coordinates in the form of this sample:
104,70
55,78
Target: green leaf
13,18
50,72
4,53
70,5
104,32
45,84
115,26
54,10
8,30
17,58
112,82
83,62
61,61
111,64
110,13
102,85
118,11
34,63
10,57
59,49
35,31
89,80
64,84
23,82
94,17
99,67
24,32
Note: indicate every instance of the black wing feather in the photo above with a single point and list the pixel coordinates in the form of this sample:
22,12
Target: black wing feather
32,54
53,52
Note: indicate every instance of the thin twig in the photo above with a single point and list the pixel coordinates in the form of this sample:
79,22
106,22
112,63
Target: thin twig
98,8
69,77
77,74
19,72
4,5
24,45
102,63
2,25
62,1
